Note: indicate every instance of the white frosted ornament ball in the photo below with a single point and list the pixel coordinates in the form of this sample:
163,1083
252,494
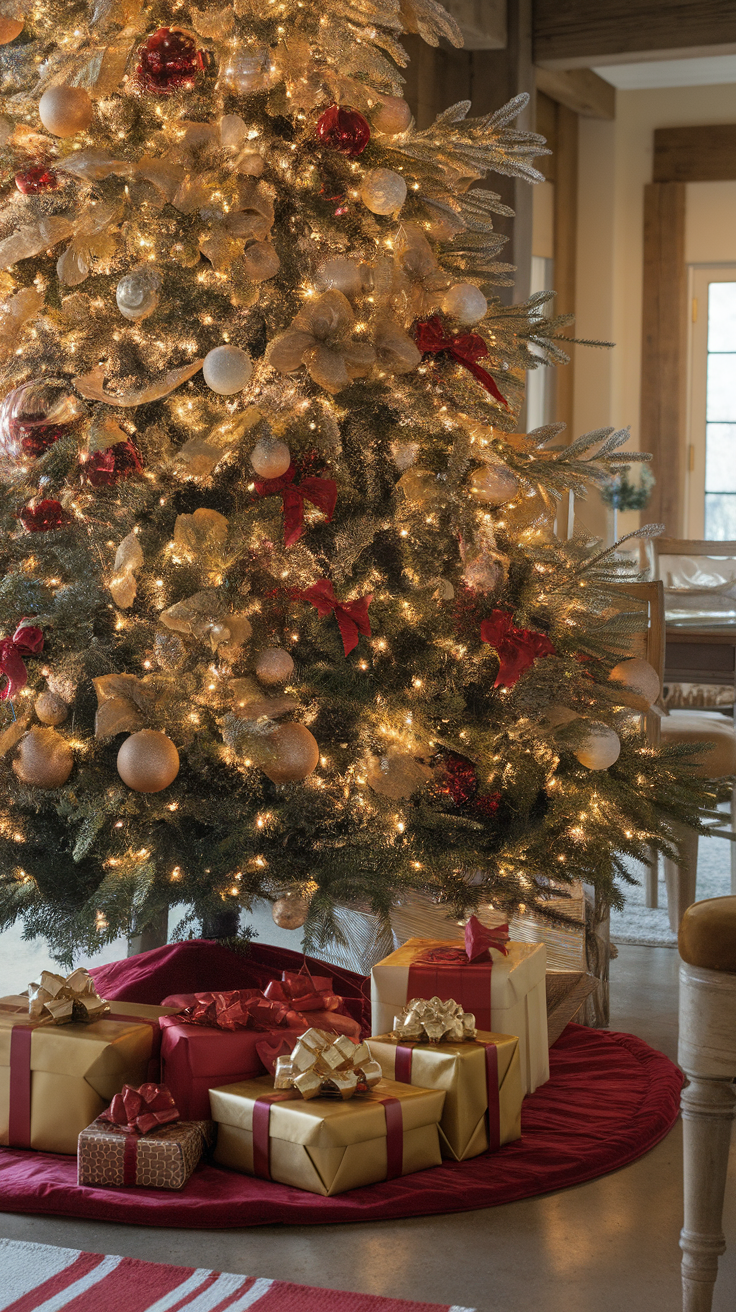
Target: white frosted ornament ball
274,665
64,111
270,458
292,754
493,484
383,191
137,293
290,911
148,761
601,748
339,274
465,302
640,677
227,369
391,116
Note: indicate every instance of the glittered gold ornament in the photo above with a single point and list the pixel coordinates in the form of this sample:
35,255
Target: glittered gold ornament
290,910
148,761
10,28
44,759
64,110
270,458
391,116
291,753
274,665
383,191
642,680
50,708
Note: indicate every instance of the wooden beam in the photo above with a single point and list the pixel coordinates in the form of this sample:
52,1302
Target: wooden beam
581,33
664,350
580,89
695,154
483,23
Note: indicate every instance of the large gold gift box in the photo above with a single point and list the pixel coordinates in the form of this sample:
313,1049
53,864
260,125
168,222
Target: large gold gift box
326,1145
464,1071
56,1079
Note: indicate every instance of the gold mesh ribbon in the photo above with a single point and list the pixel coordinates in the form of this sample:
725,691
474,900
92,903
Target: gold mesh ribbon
58,1001
323,1065
434,1021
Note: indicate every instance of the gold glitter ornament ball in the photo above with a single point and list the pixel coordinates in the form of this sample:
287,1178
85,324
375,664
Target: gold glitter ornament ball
383,191
392,115
148,761
44,759
292,754
270,458
65,111
641,677
290,911
50,708
274,665
10,28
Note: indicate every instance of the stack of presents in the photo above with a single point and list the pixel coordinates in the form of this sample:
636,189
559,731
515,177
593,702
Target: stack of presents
279,1084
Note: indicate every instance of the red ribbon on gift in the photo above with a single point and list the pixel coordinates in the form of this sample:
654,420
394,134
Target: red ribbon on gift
466,348
240,1009
352,616
321,492
451,973
138,1111
304,992
26,641
402,1074
517,648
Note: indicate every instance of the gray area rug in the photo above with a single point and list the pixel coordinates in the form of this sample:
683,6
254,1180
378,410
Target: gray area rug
643,925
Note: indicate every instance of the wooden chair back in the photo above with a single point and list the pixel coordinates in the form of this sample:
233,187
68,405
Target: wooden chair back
649,643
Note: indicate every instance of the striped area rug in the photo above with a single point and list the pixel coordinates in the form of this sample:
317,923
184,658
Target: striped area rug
38,1278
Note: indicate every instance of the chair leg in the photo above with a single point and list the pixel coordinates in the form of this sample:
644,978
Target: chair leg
733,845
651,883
707,1112
681,876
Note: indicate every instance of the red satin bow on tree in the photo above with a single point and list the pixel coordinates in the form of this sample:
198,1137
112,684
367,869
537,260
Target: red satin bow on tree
517,648
478,942
26,641
352,616
138,1111
240,1009
322,492
466,348
304,992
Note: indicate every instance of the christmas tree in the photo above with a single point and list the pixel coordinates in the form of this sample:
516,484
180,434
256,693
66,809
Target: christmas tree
284,610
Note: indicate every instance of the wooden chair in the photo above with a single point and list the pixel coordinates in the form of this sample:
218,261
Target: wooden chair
707,1054
700,648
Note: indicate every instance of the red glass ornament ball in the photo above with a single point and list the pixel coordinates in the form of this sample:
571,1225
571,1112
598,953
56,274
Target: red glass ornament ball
106,468
457,778
43,517
344,130
34,181
168,61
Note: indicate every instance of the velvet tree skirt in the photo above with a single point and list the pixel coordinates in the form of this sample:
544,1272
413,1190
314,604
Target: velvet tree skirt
610,1098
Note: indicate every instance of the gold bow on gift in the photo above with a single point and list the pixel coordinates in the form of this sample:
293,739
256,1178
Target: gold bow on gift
323,1064
59,1001
432,1021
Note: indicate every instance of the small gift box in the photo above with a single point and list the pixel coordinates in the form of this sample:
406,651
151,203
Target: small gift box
222,1037
140,1140
58,1072
502,983
326,1145
479,1072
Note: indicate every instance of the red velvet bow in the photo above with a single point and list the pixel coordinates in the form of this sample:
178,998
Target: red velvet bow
239,1009
517,648
322,492
304,992
352,616
138,1111
466,348
478,942
26,641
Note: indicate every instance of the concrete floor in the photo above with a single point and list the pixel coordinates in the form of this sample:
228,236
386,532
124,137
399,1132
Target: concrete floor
607,1246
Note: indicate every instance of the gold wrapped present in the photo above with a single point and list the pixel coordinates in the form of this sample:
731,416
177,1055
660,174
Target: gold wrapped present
482,1083
55,1079
326,1145
321,1064
163,1159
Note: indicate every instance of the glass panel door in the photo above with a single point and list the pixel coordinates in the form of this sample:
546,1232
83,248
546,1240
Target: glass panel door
711,499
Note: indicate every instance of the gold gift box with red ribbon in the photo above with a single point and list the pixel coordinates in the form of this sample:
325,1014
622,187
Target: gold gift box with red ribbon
323,1145
55,1078
481,1079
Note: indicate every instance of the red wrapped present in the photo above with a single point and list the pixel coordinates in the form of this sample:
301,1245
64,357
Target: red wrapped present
223,1037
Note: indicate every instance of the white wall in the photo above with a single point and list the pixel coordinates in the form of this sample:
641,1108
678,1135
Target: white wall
615,165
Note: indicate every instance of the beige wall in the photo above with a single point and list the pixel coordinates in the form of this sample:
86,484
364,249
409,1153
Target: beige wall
615,165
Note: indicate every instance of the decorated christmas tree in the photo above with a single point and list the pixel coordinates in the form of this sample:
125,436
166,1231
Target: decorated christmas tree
284,610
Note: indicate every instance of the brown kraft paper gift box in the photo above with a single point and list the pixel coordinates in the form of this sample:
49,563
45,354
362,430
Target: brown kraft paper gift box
55,1079
108,1155
327,1145
482,1088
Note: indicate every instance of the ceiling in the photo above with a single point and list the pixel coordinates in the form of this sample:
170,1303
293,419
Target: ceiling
708,70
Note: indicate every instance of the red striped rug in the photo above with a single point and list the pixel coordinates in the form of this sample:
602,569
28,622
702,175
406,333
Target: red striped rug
38,1278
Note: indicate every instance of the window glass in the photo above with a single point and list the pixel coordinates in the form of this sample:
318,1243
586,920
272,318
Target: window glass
720,428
